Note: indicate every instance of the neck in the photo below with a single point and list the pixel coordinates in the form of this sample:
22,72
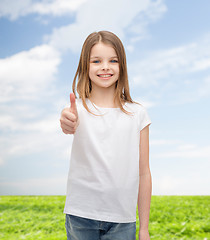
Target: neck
103,97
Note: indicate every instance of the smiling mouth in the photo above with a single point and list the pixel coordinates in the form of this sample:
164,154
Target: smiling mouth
105,75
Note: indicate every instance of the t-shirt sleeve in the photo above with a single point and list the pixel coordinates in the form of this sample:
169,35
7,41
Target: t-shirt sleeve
144,119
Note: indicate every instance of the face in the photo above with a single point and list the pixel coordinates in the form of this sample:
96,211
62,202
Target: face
104,66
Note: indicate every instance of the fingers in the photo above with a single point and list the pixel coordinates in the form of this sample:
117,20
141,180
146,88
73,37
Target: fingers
68,121
66,128
73,107
69,115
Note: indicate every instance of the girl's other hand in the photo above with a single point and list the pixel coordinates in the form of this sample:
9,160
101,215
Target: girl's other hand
69,120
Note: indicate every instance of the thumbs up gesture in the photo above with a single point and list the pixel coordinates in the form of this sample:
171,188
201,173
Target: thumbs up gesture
69,120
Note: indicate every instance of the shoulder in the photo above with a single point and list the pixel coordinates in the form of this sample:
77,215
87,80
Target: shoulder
135,106
142,114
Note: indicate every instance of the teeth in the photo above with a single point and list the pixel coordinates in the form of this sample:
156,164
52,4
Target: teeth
105,75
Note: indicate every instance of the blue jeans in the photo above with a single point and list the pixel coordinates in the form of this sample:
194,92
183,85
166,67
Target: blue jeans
78,228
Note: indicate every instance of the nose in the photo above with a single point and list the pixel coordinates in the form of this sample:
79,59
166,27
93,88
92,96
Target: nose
105,65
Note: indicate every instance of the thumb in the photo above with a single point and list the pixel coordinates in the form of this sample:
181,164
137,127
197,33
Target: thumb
73,107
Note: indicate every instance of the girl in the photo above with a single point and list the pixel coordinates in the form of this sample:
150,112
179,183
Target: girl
109,167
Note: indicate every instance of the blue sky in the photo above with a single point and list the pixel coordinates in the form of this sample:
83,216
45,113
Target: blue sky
168,52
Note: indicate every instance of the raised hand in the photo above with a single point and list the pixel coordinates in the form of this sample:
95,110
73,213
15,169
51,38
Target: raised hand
69,120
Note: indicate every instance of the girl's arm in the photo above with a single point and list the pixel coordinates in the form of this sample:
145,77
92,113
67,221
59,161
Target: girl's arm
145,185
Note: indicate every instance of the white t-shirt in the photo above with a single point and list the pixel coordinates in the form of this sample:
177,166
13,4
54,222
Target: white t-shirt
103,178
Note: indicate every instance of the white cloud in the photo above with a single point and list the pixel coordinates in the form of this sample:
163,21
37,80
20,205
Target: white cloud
196,152
23,123
30,129
35,186
25,74
177,185
29,120
161,65
187,152
204,89
162,142
179,149
27,142
57,7
14,9
172,73
147,104
117,16
1,161
179,168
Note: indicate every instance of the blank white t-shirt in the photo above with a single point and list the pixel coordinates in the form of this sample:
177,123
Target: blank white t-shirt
103,178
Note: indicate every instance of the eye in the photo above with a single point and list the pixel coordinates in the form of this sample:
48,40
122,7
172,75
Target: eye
114,61
96,61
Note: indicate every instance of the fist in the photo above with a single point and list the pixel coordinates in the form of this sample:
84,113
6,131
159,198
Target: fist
69,120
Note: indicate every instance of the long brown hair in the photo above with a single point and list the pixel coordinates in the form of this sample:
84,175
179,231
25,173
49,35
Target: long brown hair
122,93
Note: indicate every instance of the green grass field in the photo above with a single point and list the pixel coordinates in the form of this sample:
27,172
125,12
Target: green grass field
41,217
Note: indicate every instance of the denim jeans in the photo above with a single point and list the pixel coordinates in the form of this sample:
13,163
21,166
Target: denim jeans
78,228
